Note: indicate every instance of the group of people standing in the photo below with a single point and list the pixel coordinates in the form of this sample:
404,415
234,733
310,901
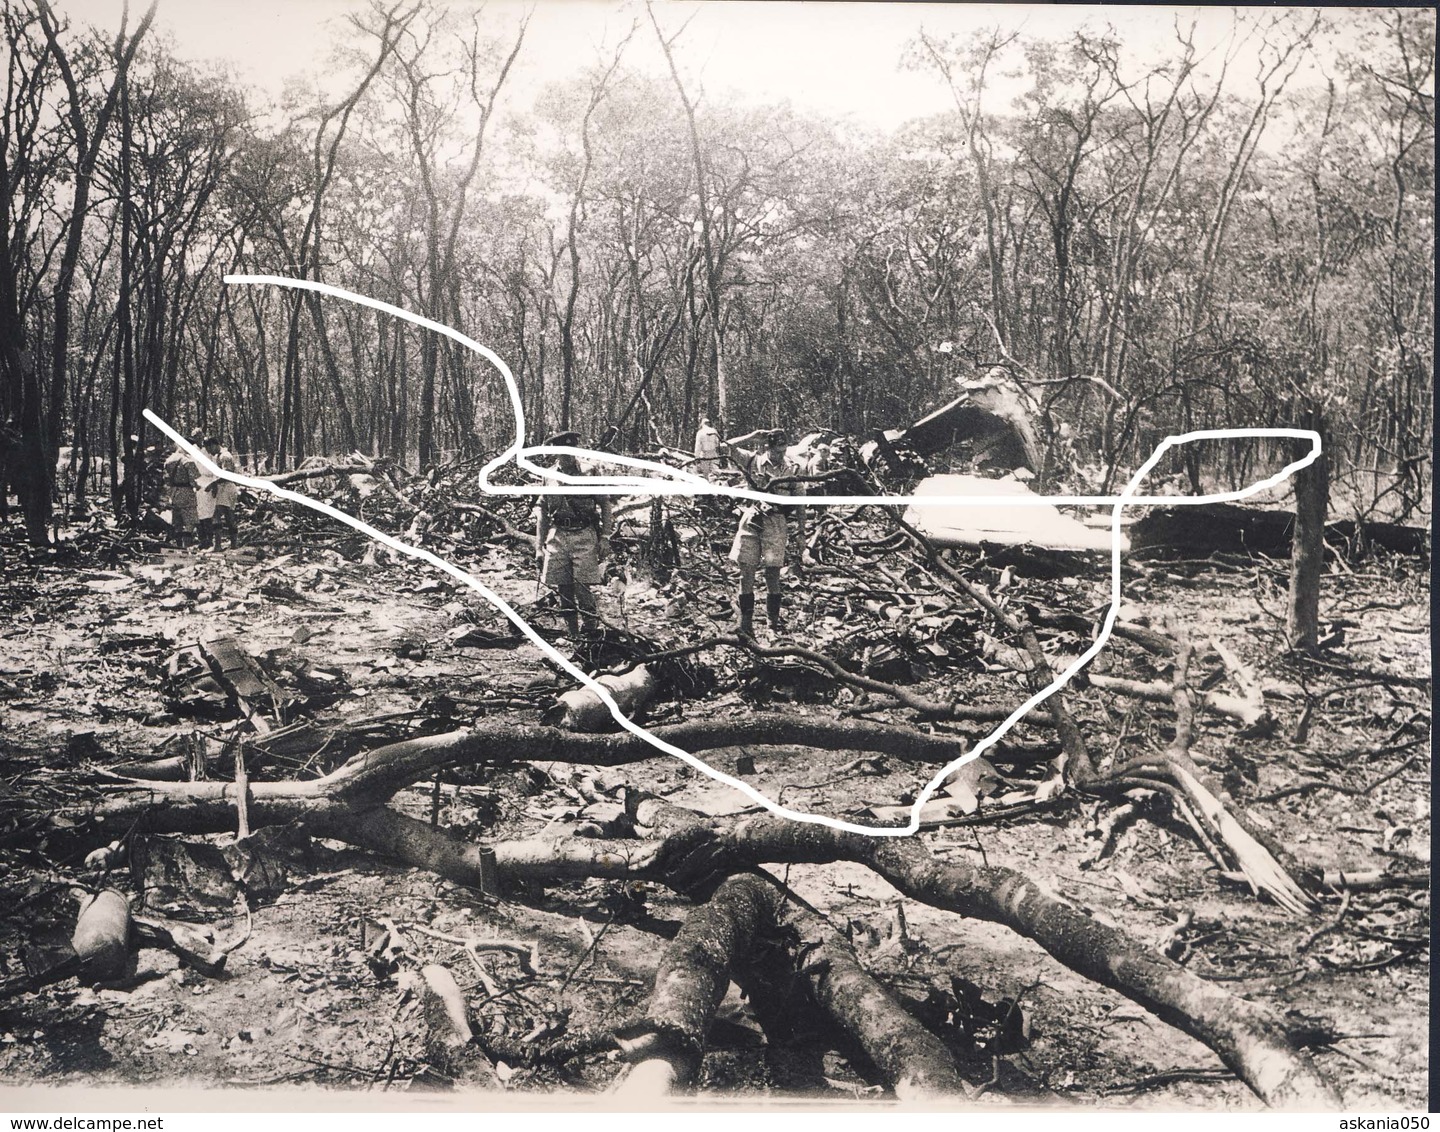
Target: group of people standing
201,504
572,537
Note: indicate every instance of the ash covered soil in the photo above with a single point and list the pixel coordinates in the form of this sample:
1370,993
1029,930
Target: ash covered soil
369,650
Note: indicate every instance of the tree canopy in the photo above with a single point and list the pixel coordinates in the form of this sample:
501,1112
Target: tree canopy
1206,238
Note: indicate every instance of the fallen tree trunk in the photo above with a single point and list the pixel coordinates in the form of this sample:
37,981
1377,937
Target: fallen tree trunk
1249,1038
1147,638
299,475
424,846
695,971
581,709
172,769
714,946
691,853
1209,527
911,1060
372,777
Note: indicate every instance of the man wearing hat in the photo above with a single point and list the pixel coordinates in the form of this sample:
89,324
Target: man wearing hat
181,476
762,536
572,538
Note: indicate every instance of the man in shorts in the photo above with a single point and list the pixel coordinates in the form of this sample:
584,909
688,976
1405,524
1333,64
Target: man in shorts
572,539
763,534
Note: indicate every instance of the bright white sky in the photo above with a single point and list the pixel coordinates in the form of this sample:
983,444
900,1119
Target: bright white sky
835,58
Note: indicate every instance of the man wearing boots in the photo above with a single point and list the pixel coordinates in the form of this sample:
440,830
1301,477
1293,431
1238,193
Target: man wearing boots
762,537
572,539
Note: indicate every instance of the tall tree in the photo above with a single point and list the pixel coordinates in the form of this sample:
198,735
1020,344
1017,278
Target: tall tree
430,100
718,401
30,157
304,251
85,144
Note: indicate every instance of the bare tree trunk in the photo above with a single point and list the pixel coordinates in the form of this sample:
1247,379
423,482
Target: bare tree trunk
712,267
332,371
291,418
134,436
87,149
1307,555
428,362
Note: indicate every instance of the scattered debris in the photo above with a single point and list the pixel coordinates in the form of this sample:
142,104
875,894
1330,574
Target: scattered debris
1027,524
582,710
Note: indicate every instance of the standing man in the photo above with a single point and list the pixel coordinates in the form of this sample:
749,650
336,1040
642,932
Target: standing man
205,505
181,475
707,449
820,462
762,536
572,538
224,492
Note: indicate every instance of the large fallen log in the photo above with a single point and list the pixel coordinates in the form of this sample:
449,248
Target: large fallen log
370,778
1247,1037
714,947
911,1060
1209,527
668,1040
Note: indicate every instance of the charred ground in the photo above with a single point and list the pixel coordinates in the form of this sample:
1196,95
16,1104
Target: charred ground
321,950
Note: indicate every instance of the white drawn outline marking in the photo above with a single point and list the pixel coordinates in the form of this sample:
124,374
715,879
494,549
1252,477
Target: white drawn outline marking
680,482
